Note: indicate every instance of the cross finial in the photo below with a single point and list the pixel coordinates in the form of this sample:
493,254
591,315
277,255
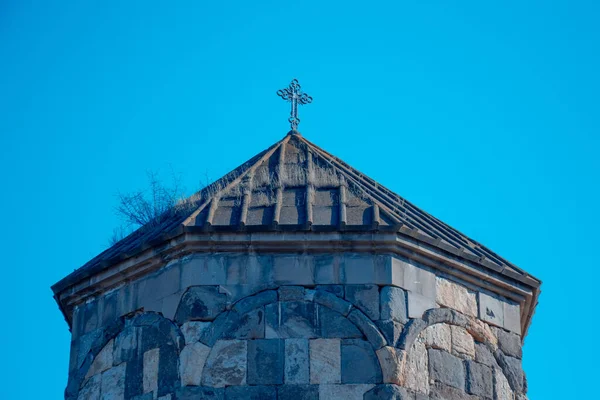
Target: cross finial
293,93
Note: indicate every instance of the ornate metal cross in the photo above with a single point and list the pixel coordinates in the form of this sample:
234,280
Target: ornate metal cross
293,94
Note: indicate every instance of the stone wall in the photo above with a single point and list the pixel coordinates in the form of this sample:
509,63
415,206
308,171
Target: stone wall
230,326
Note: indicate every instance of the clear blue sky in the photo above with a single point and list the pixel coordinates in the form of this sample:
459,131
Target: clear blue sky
485,114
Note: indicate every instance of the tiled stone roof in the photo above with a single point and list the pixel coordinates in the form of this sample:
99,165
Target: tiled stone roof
296,186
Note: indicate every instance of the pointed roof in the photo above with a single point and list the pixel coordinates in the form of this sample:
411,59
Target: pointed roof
295,185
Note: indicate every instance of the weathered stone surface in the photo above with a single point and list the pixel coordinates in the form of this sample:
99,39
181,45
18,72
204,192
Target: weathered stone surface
411,330
502,390
365,298
293,319
491,309
446,368
463,344
292,270
192,330
332,301
338,290
250,303
512,369
291,293
296,361
416,372
298,392
251,393
325,361
202,303
509,343
145,396
455,296
445,315
226,364
343,392
150,376
248,326
113,383
419,304
392,362
335,325
391,330
439,336
102,361
219,328
484,356
191,364
479,380
265,362
387,392
481,332
439,391
165,397
168,372
512,317
92,388
368,328
413,278
200,393
357,352
393,304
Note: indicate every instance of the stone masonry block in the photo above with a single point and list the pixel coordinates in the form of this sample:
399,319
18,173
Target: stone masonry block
446,368
509,343
151,361
388,392
292,270
291,293
413,278
199,393
325,361
258,300
365,298
201,303
332,301
103,360
480,380
265,362
392,362
418,304
335,325
484,356
456,296
327,269
344,392
393,304
292,319
226,365
191,363
298,392
251,392
512,317
192,330
338,290
463,344
296,362
392,330
491,309
248,326
439,336
368,328
357,352
358,268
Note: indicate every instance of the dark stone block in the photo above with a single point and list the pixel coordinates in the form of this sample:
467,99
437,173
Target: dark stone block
146,396
359,362
333,302
393,304
291,293
134,378
297,320
249,326
365,298
439,391
392,330
265,361
387,392
251,393
479,380
334,325
445,315
250,303
221,326
368,328
509,343
512,370
199,393
446,368
338,290
168,369
109,308
201,303
410,332
484,356
298,392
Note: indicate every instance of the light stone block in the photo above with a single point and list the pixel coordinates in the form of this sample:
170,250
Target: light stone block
392,361
463,344
103,361
418,304
192,330
512,317
227,364
439,336
455,296
344,392
292,270
191,363
416,373
91,389
296,361
169,305
491,310
325,361
150,370
113,383
358,269
413,278
502,390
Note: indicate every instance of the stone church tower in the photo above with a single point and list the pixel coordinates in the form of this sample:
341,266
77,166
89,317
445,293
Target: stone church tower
297,277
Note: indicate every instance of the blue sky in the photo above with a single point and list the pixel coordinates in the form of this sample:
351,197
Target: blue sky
485,114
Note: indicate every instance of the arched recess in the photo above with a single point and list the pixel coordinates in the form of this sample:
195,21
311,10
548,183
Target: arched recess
126,350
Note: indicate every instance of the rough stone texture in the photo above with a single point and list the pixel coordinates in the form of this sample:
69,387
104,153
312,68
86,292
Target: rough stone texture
150,376
512,370
220,327
338,290
392,362
509,343
226,364
446,368
332,301
365,298
200,393
480,380
298,392
391,330
113,383
484,356
291,293
359,362
251,393
192,330
463,344
343,392
387,392
92,389
191,364
335,325
411,331
290,319
250,303
439,391
393,304
202,303
439,336
368,328
265,362
502,390
325,361
296,361
416,374
481,332
248,326
103,361
455,296
418,304
445,315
